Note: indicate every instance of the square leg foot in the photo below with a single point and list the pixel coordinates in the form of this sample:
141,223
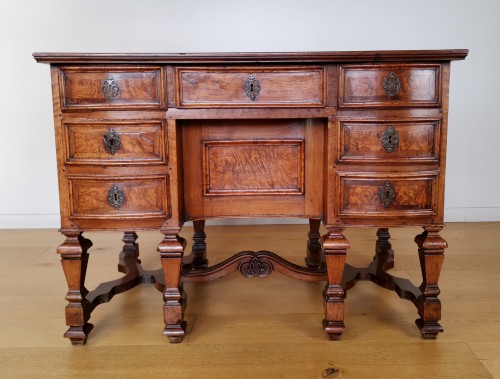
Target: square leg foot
429,329
78,334
333,329
175,332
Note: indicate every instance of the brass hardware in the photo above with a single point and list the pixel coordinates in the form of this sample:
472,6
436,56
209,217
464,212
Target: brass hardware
110,88
392,84
390,139
387,194
111,141
116,197
252,87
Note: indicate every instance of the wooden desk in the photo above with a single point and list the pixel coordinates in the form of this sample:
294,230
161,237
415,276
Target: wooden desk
350,139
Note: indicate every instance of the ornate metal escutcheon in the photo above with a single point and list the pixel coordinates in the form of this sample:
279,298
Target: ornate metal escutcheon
392,84
111,141
116,197
251,87
387,194
390,139
110,88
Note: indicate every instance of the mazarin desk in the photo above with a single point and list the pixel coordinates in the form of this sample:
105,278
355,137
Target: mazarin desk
349,139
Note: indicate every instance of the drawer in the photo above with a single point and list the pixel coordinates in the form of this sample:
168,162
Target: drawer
399,142
118,198
112,87
250,87
390,85
378,195
107,142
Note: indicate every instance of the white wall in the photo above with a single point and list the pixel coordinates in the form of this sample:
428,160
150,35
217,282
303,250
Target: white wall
28,183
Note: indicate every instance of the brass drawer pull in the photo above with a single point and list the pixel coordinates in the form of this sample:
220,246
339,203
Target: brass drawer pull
392,84
251,87
110,88
111,141
116,197
387,194
390,139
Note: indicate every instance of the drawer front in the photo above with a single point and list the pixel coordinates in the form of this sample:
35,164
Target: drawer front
106,143
251,87
112,87
117,198
402,141
390,85
391,196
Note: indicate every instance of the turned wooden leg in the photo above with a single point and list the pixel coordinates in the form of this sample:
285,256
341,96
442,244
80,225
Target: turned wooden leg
384,255
74,259
431,253
335,247
199,245
171,251
313,258
129,256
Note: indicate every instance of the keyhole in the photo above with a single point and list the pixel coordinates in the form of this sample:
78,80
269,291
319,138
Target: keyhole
251,87
112,142
115,197
390,139
387,194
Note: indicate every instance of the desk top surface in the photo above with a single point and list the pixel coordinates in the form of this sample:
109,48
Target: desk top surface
259,57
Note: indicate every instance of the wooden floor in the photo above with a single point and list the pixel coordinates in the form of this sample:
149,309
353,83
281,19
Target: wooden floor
252,328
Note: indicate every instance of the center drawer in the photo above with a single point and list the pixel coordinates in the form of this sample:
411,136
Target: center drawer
202,87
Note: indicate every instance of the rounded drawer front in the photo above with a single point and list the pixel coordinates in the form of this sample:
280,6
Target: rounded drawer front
390,85
107,142
401,141
118,198
388,195
250,87
111,87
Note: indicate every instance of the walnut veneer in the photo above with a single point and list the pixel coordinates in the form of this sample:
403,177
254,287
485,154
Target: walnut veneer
349,139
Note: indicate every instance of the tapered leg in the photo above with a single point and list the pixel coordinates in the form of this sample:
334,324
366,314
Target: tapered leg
313,258
431,253
335,247
171,251
74,259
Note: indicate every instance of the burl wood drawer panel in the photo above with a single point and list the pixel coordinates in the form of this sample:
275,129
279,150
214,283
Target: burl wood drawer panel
400,141
112,87
390,85
238,168
251,87
104,143
253,167
394,196
117,198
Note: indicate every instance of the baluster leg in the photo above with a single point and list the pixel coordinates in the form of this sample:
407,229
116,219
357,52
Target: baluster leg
129,256
431,253
335,247
199,245
313,258
171,251
74,260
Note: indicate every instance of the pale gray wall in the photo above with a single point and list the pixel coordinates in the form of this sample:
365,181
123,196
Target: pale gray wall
28,184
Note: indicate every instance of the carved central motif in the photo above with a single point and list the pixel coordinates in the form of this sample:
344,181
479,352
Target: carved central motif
255,268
